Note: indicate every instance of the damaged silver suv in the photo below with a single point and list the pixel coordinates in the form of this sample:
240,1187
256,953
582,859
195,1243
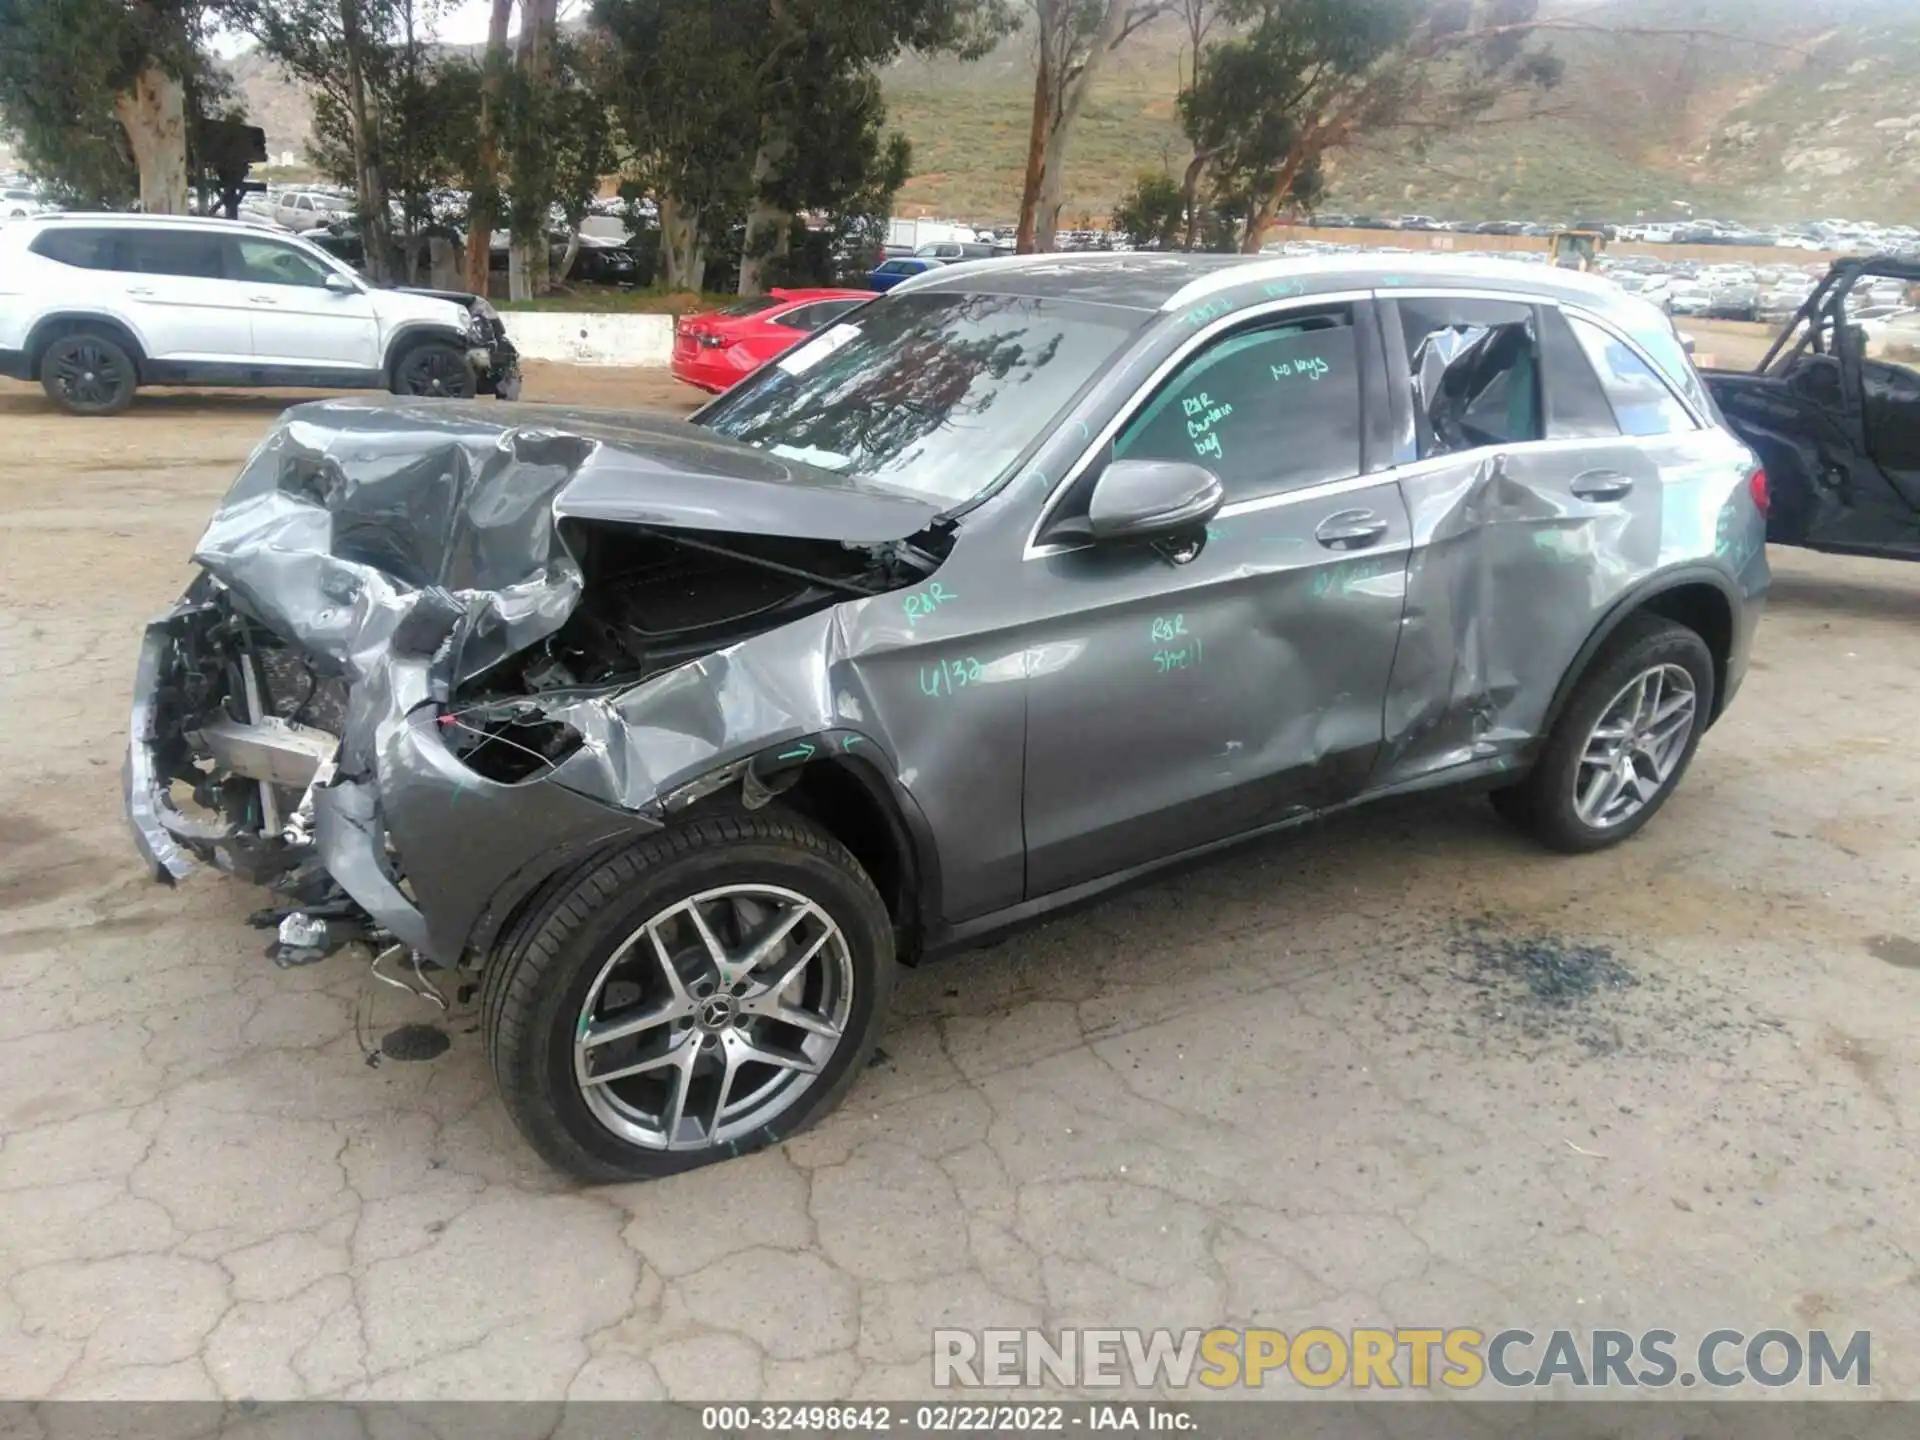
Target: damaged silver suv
1019,583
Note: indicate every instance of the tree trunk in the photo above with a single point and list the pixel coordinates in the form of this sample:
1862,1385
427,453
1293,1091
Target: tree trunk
1069,99
683,266
1261,219
485,186
769,226
1190,196
370,191
537,20
154,115
572,253
1043,88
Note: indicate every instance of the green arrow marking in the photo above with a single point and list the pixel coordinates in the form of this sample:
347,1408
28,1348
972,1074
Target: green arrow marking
803,751
849,742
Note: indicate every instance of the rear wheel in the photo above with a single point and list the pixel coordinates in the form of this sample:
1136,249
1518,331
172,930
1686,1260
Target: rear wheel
1623,741
434,367
88,373
710,991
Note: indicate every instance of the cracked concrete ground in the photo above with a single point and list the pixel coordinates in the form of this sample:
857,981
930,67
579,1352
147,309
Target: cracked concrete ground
1285,1089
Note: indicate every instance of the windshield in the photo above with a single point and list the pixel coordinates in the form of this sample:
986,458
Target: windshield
934,393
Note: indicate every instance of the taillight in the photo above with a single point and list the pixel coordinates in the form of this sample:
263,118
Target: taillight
1757,487
712,341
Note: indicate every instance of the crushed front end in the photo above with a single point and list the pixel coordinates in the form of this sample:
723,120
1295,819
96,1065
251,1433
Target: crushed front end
437,651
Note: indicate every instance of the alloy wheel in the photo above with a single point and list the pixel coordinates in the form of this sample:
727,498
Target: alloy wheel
437,372
714,1017
1635,747
87,375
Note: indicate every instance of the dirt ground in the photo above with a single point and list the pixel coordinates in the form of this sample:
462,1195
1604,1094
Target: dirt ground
1400,1069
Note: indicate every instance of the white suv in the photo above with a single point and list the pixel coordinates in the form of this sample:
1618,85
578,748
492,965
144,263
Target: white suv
93,305
307,210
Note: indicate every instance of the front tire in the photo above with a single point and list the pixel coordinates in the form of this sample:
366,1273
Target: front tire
436,369
1623,741
88,373
707,992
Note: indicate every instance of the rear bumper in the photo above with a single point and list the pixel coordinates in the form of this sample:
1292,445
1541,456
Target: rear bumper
711,378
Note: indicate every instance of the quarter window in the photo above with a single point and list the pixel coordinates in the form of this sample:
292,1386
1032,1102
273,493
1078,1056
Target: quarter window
1640,398
1475,368
82,249
1267,410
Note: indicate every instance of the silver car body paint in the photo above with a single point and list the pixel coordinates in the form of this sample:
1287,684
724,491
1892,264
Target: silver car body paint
1043,725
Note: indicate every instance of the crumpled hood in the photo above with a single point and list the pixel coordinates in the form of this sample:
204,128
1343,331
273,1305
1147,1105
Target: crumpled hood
351,511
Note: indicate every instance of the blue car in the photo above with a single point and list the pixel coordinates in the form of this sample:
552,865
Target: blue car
891,272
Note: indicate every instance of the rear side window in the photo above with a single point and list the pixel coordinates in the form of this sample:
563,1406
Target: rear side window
1640,398
1267,410
1577,408
1475,369
82,249
172,252
811,317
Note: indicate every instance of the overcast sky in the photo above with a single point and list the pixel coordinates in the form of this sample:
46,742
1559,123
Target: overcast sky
464,23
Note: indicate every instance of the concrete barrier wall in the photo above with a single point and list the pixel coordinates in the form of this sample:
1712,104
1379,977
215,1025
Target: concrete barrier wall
587,339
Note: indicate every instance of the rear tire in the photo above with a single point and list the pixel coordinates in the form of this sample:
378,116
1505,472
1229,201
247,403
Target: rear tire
692,1060
1623,741
434,369
88,373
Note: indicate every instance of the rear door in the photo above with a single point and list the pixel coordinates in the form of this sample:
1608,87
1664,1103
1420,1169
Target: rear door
1172,705
1531,512
190,314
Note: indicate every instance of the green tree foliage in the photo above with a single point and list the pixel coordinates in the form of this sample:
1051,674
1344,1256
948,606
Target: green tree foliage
100,94
680,85
756,111
1298,80
351,53
1152,215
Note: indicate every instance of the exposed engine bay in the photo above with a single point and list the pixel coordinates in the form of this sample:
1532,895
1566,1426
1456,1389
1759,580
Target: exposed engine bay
404,613
653,599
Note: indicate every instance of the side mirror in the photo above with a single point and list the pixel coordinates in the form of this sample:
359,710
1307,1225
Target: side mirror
1152,499
340,284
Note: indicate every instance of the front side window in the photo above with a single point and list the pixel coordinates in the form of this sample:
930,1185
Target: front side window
1640,398
267,262
936,394
1475,370
1267,410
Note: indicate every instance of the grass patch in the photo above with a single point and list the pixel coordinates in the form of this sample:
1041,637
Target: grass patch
610,300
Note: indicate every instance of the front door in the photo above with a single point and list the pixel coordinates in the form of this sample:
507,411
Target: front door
1171,705
296,320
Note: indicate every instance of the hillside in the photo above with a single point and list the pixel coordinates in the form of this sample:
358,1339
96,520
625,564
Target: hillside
1769,110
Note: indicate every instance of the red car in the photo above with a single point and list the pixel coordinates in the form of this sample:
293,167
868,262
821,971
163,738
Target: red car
721,348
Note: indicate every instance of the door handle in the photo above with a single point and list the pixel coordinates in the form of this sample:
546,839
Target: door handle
1351,530
263,300
143,291
1601,485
